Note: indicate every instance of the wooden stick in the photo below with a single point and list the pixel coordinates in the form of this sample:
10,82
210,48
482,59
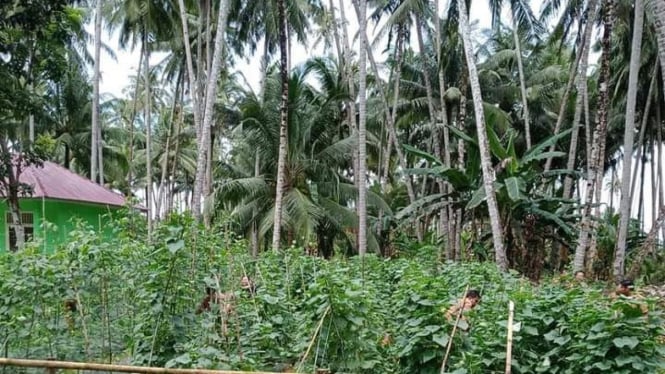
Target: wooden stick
452,335
509,345
115,368
311,343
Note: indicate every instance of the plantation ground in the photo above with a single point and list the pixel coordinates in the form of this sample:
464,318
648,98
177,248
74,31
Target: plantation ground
375,315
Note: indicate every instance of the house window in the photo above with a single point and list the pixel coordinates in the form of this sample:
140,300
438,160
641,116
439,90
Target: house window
27,220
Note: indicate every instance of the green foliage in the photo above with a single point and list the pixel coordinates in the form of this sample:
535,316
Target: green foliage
358,315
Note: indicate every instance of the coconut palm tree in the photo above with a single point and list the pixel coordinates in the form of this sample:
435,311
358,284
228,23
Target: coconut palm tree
486,162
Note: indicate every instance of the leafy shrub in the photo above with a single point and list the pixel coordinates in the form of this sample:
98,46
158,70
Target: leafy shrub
369,315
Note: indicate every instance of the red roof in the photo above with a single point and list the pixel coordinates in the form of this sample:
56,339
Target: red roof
53,181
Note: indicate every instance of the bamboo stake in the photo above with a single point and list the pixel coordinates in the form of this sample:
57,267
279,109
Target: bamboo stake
116,368
452,335
311,343
509,345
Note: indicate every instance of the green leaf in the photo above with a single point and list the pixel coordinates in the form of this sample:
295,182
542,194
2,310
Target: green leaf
554,218
176,246
626,341
496,147
441,339
417,152
463,135
515,186
532,153
477,198
545,155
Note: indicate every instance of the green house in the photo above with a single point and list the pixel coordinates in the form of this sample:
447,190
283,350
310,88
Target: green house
59,198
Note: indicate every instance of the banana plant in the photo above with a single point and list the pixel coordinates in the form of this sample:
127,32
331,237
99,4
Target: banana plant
533,217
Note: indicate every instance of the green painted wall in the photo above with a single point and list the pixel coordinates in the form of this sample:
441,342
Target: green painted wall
62,215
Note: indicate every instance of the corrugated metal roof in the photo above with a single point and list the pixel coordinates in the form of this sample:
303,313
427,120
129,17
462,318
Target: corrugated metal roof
56,182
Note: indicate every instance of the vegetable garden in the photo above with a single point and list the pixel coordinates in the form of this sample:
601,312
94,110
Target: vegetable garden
136,305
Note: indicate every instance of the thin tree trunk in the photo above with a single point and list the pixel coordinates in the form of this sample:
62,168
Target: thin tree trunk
588,28
94,136
362,131
283,125
148,132
176,151
658,12
587,237
192,79
588,132
520,69
167,148
640,202
643,126
390,121
256,243
436,141
654,180
579,101
636,48
446,216
211,91
397,76
486,161
661,183
135,101
338,44
349,76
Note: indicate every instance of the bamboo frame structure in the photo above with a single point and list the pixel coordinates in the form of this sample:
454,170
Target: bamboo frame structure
49,365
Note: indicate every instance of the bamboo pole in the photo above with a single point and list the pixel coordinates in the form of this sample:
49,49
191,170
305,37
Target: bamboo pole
311,343
48,364
509,345
452,335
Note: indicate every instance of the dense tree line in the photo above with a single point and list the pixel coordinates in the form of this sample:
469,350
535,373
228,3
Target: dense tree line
492,147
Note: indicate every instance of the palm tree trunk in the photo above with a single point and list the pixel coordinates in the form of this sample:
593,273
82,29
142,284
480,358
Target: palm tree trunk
571,79
640,202
486,161
587,237
661,183
211,91
338,44
148,131
658,11
643,125
397,76
654,180
176,151
579,102
167,148
256,243
520,69
132,118
572,150
390,122
283,125
350,77
436,141
447,215
94,137
192,79
624,210
362,131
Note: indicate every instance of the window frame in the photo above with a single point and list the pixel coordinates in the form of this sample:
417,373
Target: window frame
27,221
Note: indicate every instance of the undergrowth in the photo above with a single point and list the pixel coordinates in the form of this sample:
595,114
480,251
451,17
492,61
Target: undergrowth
137,305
